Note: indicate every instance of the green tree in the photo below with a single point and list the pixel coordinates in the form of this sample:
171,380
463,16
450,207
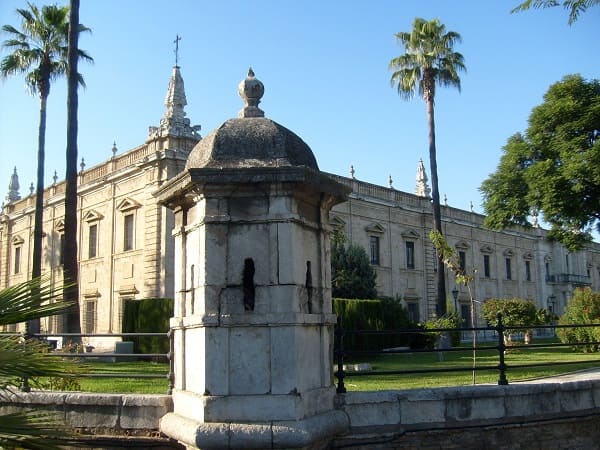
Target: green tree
555,168
429,61
29,358
575,7
583,309
515,312
38,50
352,275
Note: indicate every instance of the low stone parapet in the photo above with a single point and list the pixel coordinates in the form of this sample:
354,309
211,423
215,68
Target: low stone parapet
394,414
102,417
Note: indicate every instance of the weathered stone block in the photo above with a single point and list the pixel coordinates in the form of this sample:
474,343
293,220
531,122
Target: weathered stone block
249,361
92,410
422,406
143,411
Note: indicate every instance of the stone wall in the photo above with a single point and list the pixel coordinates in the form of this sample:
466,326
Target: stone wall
520,416
548,415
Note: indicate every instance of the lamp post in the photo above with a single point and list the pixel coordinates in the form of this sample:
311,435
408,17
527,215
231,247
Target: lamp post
455,295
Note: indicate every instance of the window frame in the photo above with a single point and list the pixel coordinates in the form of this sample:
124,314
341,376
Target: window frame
374,250
410,254
17,258
487,266
129,232
93,240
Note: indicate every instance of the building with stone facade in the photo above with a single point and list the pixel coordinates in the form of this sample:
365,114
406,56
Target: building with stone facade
126,247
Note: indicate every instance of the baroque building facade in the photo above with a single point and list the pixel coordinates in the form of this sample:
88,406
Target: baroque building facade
126,248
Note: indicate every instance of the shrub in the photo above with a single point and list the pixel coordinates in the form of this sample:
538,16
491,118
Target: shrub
375,315
582,309
515,312
451,320
149,315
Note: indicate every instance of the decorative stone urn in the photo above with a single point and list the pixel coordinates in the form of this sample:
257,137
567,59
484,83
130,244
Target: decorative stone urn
253,322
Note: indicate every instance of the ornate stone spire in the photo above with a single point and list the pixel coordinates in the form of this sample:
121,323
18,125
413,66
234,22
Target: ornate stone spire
13,188
251,90
174,122
422,188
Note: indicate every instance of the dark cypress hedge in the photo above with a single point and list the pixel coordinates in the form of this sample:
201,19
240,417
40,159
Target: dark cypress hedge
376,315
150,315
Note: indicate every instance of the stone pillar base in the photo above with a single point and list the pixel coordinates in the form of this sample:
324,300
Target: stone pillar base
311,433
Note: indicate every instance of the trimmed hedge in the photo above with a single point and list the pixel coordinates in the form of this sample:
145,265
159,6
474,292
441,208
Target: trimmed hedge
376,315
150,315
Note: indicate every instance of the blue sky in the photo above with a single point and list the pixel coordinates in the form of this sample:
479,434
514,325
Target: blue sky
325,69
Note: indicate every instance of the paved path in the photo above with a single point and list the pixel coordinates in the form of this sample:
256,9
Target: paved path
588,374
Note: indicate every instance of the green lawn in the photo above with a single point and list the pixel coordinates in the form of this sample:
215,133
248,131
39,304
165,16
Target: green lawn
453,359
153,380
408,361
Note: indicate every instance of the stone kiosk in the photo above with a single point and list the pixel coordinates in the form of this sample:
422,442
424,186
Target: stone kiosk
253,322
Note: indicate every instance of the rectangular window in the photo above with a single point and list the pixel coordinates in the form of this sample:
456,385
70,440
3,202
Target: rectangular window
413,311
508,269
61,254
410,255
93,241
374,245
528,270
17,265
465,314
486,266
128,235
90,316
462,257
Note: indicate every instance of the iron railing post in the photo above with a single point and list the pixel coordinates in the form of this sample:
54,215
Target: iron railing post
171,357
501,349
25,379
339,338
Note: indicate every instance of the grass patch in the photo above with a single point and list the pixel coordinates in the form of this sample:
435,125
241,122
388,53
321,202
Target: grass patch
464,359
153,380
129,383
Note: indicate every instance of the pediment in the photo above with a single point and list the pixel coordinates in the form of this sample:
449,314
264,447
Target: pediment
59,225
462,245
92,216
508,253
375,228
486,249
410,234
528,255
128,204
17,240
336,222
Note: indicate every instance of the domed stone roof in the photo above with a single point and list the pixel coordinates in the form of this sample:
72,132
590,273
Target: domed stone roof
251,140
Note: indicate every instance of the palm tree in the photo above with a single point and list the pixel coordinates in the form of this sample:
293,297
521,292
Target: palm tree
429,60
70,268
575,7
39,50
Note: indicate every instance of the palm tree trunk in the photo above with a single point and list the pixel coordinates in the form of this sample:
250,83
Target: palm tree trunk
437,215
70,267
33,326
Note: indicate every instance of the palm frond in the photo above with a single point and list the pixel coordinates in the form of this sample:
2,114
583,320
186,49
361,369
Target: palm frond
35,431
30,300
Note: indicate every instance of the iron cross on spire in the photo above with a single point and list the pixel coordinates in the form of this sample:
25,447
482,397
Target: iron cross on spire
176,42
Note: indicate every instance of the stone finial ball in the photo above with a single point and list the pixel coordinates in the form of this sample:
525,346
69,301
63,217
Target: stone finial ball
251,89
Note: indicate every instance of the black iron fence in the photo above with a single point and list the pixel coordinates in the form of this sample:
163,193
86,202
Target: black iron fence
342,353
74,347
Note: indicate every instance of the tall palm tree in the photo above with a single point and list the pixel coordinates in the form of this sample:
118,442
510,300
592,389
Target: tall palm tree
70,267
429,61
39,50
